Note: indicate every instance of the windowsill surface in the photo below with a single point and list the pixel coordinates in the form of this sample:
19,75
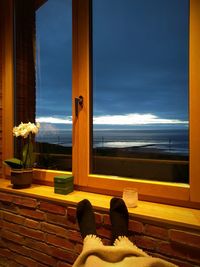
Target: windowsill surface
180,216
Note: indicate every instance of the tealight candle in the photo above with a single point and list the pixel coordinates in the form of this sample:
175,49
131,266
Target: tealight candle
130,197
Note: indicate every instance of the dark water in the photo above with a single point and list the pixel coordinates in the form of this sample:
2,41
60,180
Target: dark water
173,141
170,141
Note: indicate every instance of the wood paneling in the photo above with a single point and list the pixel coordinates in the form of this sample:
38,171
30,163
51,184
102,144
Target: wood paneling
24,61
6,14
24,65
194,99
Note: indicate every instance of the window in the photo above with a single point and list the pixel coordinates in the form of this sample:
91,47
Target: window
140,89
43,79
148,190
53,85
181,194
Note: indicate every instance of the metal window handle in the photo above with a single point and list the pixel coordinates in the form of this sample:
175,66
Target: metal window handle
78,101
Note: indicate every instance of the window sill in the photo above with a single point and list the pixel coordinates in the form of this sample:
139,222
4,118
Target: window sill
180,216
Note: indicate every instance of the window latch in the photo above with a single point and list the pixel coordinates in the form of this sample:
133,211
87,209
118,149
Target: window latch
78,102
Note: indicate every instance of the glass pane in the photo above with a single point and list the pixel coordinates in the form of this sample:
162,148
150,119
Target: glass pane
53,84
140,89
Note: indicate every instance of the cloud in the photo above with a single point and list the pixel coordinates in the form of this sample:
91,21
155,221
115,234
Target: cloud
126,119
134,119
67,120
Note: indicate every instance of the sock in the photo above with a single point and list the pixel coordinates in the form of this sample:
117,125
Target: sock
86,218
119,218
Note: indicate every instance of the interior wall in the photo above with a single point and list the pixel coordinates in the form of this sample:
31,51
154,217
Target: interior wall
39,232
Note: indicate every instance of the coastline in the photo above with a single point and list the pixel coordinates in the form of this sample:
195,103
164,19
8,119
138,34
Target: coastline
134,162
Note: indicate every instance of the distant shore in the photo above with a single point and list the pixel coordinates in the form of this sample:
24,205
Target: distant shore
139,152
144,162
147,151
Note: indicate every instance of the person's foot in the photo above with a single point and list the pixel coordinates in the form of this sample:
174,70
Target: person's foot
119,218
86,218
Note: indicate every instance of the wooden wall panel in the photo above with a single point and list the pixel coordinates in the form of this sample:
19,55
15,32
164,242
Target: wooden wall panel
6,77
24,64
25,60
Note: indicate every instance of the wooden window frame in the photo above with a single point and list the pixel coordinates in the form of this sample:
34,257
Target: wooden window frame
171,193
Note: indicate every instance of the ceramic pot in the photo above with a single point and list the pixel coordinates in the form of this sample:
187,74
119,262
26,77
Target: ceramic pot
21,178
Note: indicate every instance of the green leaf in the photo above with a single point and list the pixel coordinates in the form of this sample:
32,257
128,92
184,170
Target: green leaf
27,155
14,163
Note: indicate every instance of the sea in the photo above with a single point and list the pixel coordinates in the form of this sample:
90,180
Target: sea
175,141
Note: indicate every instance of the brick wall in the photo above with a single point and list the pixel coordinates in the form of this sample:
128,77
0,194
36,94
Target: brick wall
35,232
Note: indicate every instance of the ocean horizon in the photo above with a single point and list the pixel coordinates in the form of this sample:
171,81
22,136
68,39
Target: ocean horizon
174,141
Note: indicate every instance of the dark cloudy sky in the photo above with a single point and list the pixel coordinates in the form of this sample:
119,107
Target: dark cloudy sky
140,62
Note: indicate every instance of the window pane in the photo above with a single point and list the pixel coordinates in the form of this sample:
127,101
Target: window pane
43,59
53,84
140,89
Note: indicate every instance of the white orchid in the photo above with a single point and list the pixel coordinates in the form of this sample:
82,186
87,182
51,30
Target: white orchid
24,129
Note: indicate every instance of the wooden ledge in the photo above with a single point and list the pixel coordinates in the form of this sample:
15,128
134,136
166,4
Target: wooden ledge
161,213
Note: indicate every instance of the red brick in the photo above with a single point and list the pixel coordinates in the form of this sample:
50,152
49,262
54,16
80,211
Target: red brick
12,236
37,245
18,248
72,225
41,265
71,214
63,254
106,220
53,208
25,201
135,226
194,255
13,218
35,234
43,258
32,224
106,241
179,263
104,232
57,219
6,197
185,238
184,264
78,248
2,243
155,231
54,229
61,220
25,261
4,261
58,241
14,264
9,207
172,250
145,242
63,264
11,226
4,252
34,214
74,235
98,218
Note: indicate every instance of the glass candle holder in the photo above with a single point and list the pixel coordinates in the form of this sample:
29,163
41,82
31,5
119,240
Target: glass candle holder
130,197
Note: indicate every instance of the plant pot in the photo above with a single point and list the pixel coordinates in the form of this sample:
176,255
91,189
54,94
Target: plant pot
21,178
